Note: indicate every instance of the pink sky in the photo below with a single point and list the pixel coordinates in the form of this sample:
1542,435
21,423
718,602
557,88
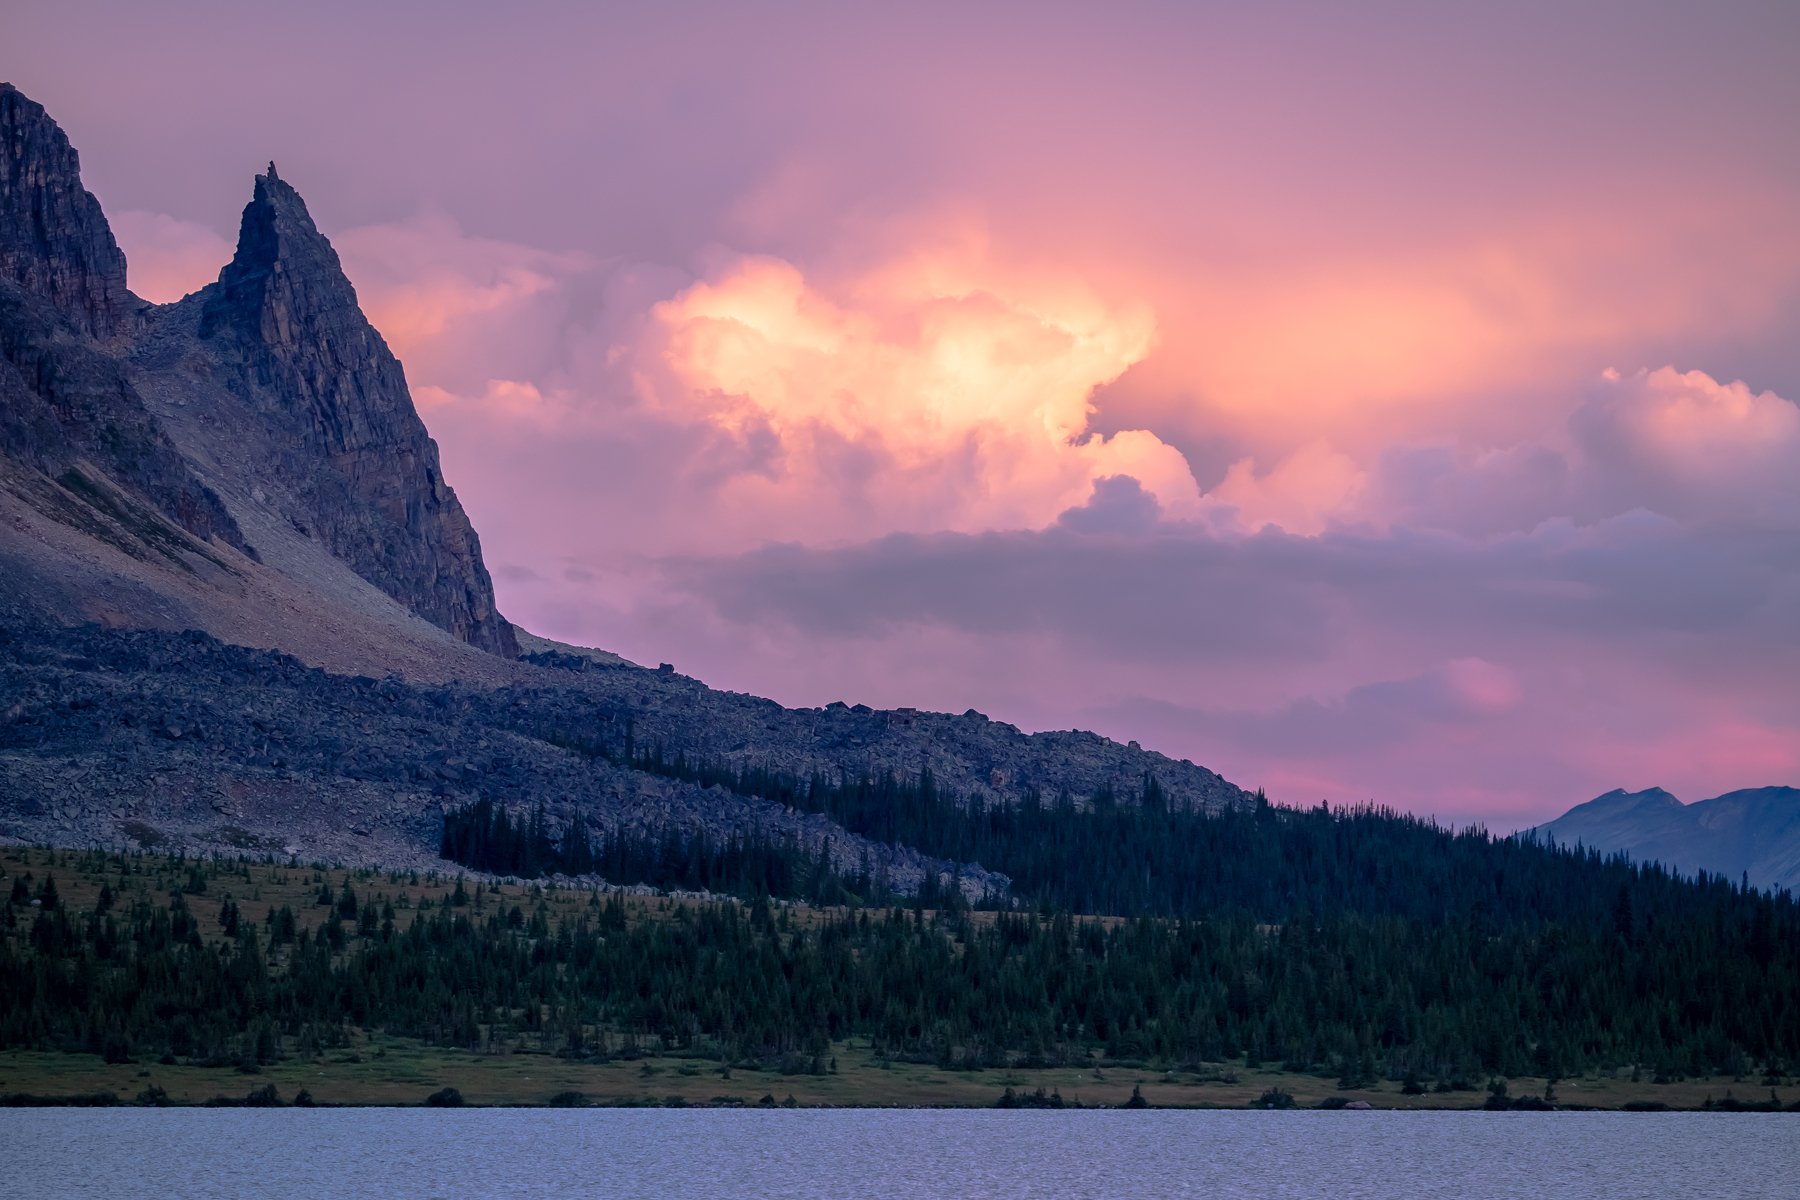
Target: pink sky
1389,406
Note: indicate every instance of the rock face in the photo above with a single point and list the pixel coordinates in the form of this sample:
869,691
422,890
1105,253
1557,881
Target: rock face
250,451
285,320
179,741
83,447
54,240
1753,832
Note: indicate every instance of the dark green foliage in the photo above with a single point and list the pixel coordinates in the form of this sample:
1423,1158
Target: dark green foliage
1136,855
1037,1099
1348,994
485,837
444,1098
263,1097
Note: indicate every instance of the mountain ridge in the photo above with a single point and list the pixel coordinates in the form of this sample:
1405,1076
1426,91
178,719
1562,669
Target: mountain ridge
1751,833
139,443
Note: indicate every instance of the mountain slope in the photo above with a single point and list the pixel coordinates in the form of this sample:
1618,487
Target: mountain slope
1752,832
247,462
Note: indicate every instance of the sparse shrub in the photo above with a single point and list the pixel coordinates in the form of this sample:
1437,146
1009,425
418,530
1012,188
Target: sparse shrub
263,1097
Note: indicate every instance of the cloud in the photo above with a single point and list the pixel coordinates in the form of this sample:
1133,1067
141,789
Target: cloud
456,306
166,257
1119,504
1684,444
1492,633
1679,444
1440,673
930,392
1303,493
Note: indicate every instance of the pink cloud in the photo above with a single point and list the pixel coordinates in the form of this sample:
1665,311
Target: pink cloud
1177,371
165,257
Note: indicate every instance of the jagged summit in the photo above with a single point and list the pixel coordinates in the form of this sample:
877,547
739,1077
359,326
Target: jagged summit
284,268
54,240
222,462
284,322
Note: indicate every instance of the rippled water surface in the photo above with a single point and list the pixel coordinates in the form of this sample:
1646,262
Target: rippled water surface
875,1154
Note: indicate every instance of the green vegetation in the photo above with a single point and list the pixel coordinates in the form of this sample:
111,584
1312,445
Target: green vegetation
229,969
486,837
1138,855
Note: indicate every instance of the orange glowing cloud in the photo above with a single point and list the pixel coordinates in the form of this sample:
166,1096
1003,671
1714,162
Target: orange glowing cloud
960,395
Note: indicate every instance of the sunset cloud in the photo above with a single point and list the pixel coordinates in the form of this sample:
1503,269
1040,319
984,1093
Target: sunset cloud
936,392
1259,389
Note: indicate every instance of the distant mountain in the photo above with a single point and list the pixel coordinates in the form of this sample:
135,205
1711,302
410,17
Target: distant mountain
1754,832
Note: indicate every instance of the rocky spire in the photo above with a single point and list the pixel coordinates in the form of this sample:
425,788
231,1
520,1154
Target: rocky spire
54,240
286,316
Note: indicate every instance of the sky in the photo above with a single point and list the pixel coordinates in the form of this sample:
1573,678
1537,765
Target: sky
1389,403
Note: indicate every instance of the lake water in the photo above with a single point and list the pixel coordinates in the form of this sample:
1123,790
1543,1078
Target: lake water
870,1155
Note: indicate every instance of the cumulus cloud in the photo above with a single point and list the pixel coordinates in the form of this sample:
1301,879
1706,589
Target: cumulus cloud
1685,444
1119,504
931,393
1679,444
929,389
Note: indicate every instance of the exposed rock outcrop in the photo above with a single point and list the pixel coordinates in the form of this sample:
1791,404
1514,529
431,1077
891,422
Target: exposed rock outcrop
54,240
76,440
285,322
230,462
180,741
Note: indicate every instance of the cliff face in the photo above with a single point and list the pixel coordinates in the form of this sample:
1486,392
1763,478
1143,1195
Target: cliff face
265,403
68,411
54,240
284,321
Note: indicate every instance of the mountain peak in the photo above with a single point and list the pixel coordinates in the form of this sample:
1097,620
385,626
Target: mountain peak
1753,832
1653,797
285,321
54,240
284,268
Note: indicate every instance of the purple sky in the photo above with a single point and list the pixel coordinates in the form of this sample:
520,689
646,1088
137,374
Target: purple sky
1394,404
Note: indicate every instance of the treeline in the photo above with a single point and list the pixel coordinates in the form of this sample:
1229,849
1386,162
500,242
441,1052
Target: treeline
486,837
1139,855
1352,995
